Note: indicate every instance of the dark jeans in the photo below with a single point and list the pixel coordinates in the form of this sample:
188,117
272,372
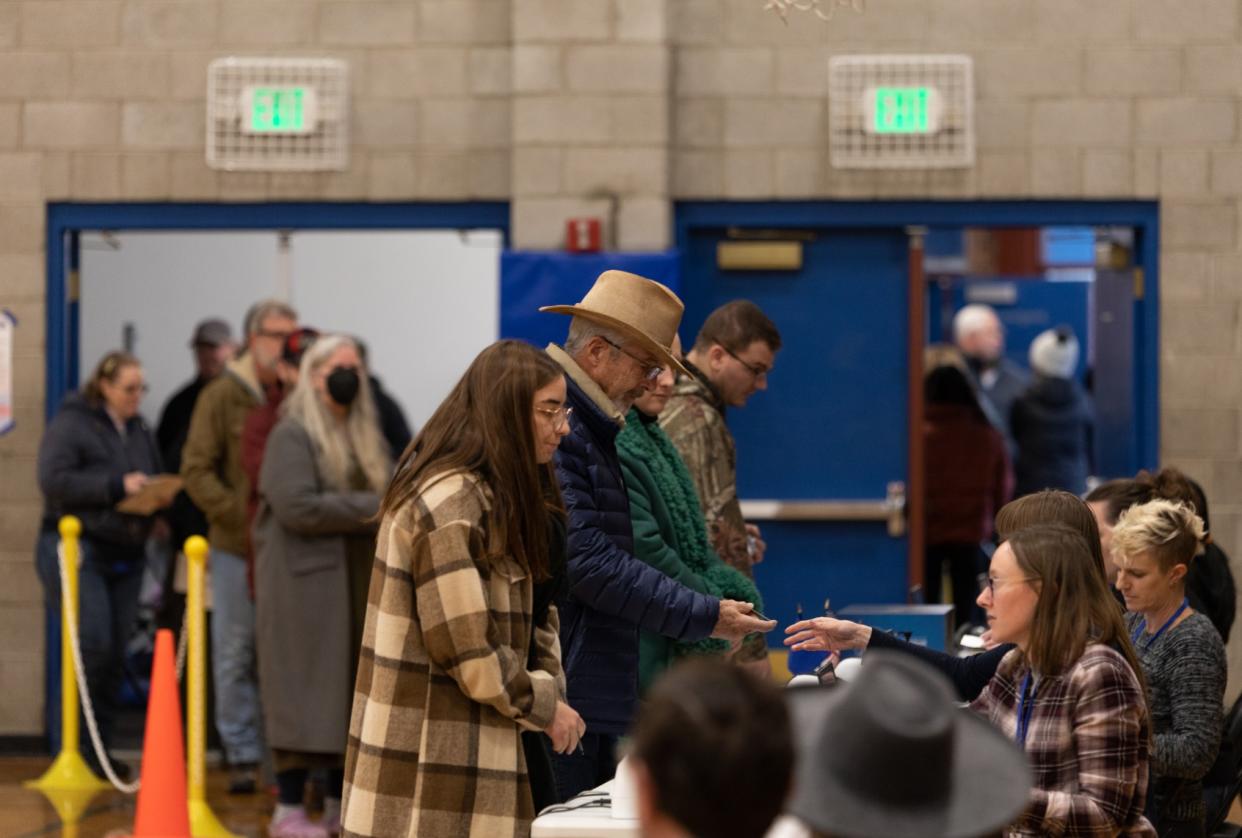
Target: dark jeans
966,562
595,765
109,582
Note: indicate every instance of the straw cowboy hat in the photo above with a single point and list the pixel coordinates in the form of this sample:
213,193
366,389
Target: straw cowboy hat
639,308
891,754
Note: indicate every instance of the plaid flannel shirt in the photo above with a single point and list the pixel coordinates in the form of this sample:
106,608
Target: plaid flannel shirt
1088,742
443,690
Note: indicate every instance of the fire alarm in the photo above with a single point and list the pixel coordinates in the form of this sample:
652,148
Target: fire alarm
584,235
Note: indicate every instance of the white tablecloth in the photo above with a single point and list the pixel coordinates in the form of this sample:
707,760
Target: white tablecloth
597,822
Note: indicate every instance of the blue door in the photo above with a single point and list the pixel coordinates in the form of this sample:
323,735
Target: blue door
820,448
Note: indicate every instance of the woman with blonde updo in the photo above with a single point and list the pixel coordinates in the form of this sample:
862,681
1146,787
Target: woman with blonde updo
1183,659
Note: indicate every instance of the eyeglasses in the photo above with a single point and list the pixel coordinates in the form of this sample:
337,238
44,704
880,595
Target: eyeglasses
134,389
650,373
987,583
559,415
280,336
756,371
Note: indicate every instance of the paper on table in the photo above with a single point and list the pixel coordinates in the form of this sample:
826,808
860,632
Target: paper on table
156,494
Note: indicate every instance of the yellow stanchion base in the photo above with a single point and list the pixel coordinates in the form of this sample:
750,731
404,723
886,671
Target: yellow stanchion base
68,773
70,804
205,824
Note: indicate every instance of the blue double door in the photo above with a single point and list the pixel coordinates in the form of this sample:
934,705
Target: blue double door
825,445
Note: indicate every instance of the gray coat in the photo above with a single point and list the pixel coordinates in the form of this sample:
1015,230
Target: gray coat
302,595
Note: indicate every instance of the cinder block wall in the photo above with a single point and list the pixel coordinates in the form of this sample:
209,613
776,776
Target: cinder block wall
620,107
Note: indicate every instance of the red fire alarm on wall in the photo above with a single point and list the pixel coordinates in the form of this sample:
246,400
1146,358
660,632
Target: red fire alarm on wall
584,235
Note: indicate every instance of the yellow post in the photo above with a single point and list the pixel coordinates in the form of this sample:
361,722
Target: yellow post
203,822
69,771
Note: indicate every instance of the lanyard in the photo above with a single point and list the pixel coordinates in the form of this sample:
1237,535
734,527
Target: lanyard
1026,704
1138,632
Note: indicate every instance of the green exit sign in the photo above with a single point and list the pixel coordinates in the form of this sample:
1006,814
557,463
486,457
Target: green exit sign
903,110
279,110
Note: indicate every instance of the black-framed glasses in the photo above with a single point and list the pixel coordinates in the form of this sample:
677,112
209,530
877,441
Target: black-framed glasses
756,371
987,583
558,415
650,373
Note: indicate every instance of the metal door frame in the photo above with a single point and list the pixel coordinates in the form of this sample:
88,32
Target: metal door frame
66,221
1142,216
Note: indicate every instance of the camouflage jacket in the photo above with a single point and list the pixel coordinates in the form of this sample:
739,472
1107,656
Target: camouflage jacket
695,421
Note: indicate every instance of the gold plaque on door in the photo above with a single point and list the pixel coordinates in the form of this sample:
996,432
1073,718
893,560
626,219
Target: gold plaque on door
759,255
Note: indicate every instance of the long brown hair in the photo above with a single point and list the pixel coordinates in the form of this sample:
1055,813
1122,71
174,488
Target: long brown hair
486,426
1075,606
1053,506
1120,495
108,369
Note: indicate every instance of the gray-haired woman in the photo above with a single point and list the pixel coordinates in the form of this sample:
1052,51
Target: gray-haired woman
325,466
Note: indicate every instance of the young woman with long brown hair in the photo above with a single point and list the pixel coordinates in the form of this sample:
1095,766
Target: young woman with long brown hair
452,669
1069,693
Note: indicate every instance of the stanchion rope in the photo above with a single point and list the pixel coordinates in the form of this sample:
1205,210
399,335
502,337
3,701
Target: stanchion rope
88,708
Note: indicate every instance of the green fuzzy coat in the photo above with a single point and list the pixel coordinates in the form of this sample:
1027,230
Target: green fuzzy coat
670,535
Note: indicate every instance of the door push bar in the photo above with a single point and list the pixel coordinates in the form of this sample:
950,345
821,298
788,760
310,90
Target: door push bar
891,510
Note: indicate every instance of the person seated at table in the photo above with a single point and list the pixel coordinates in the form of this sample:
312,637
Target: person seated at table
892,755
712,753
971,674
1154,545
1070,689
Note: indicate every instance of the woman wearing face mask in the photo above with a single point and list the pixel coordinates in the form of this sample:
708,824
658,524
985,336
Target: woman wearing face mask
325,466
1183,658
448,682
670,533
96,452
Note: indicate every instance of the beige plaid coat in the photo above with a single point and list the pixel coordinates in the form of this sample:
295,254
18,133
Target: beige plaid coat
443,692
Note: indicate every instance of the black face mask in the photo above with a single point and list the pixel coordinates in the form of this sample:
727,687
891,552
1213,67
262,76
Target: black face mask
343,383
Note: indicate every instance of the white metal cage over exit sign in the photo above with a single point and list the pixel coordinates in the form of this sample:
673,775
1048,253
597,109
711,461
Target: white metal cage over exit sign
278,114
901,111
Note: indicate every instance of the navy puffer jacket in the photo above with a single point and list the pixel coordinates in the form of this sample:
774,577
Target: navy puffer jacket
611,593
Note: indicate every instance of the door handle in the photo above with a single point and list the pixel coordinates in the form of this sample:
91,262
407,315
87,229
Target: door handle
891,510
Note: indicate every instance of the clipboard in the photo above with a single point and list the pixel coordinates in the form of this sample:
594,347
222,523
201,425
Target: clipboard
156,494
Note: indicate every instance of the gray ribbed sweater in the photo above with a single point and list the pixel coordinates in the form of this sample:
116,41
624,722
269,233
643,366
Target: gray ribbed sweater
1185,670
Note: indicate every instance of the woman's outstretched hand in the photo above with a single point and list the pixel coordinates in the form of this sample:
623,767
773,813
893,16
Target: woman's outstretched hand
826,634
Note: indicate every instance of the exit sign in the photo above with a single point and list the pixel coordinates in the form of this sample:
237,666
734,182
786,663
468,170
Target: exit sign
278,110
901,110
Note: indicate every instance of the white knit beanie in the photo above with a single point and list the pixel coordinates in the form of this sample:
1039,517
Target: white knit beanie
1054,353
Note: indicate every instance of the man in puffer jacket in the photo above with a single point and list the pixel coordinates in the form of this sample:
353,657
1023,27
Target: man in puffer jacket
618,344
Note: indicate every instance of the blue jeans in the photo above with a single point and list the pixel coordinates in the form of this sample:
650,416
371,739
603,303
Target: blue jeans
233,660
594,766
108,589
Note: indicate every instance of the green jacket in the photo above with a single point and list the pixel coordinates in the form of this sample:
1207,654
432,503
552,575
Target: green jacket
671,536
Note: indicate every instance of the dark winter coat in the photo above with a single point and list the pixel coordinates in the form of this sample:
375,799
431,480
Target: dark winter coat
1052,424
612,594
83,460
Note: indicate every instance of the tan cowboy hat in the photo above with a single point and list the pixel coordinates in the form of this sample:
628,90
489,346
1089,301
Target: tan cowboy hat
639,308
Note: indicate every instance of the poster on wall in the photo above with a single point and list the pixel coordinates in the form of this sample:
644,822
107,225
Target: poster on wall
7,324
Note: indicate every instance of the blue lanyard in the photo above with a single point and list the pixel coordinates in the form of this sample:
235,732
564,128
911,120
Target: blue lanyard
1138,632
1026,704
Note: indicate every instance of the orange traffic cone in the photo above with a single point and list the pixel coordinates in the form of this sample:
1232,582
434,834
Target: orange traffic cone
162,810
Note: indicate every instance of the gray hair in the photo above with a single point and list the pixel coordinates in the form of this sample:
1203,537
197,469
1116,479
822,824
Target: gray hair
971,319
360,434
264,309
582,331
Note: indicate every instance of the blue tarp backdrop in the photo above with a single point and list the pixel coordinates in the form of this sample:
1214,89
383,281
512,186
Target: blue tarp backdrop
530,279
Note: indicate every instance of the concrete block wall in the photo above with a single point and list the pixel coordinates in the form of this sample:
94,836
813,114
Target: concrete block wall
617,108
591,127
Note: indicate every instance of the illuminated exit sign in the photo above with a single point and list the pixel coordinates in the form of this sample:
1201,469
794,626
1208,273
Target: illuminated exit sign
901,110
279,110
